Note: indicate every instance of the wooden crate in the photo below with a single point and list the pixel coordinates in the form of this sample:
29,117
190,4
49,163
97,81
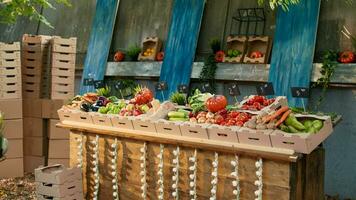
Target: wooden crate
282,179
254,137
63,64
259,43
70,57
153,43
235,43
15,46
9,54
31,90
64,45
194,130
11,168
57,71
58,148
36,39
10,62
12,108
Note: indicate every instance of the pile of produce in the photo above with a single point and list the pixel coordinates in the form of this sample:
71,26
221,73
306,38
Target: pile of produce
148,52
103,103
255,103
232,53
285,120
179,115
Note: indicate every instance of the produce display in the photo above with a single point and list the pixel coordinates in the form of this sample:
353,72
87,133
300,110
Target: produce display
203,110
232,53
256,54
119,56
148,52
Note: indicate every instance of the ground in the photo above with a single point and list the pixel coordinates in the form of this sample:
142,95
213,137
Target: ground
18,188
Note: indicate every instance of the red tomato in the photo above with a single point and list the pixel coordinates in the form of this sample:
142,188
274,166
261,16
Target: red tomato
119,56
160,56
216,103
239,123
346,57
256,54
219,119
219,56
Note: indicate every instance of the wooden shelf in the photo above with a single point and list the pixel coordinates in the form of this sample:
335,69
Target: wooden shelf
211,145
344,73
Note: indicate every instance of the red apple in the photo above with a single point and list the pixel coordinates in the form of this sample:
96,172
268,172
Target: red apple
119,56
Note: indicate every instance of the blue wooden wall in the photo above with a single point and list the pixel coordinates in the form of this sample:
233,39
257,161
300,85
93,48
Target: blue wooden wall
99,41
181,44
293,48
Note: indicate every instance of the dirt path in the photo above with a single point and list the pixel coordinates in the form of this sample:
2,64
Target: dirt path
18,188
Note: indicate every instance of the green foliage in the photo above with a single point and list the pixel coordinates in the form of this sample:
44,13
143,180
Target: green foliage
133,52
208,72
327,71
215,45
10,10
286,3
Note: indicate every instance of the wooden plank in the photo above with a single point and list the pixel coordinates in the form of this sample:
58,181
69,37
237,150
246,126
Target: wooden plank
314,175
276,173
293,48
181,44
99,41
265,152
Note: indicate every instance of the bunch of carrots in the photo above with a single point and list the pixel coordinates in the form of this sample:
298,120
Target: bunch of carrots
269,120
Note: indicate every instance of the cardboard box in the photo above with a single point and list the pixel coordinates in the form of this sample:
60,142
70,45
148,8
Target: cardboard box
33,162
32,108
34,146
50,108
33,127
15,148
12,109
58,149
57,174
61,161
55,132
11,168
13,129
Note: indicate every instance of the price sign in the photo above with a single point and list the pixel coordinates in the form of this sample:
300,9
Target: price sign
233,89
300,92
183,89
265,89
160,86
119,85
88,81
206,87
99,84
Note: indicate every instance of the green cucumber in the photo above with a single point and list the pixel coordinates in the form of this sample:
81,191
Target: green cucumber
178,119
292,121
176,114
292,129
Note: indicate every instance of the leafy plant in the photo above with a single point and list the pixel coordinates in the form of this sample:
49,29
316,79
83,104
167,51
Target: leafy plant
215,45
10,10
133,52
286,3
105,91
178,98
208,72
328,67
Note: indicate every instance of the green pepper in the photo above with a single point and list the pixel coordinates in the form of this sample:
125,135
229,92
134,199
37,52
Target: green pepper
292,129
103,110
284,128
292,121
317,124
308,123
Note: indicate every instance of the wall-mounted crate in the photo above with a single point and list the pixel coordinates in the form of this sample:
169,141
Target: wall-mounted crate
150,47
260,44
235,45
64,45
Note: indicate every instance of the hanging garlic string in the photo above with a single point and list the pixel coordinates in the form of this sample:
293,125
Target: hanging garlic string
143,171
193,176
114,172
175,177
235,173
95,169
80,151
258,182
214,176
160,173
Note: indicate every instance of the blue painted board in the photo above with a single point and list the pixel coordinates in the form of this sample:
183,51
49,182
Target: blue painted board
293,48
181,44
99,42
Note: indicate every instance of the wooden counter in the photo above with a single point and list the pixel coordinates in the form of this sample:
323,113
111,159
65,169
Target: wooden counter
286,175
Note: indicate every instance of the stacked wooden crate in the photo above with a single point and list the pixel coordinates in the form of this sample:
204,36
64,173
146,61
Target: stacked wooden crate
63,66
62,88
11,107
35,58
58,182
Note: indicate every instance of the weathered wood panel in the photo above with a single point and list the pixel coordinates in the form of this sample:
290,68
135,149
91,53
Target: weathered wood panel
276,173
13,33
139,19
293,50
181,44
73,21
99,41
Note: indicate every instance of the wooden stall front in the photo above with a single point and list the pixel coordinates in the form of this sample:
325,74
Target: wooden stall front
286,175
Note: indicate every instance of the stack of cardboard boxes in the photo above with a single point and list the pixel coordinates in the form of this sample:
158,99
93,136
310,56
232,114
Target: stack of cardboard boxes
11,107
35,58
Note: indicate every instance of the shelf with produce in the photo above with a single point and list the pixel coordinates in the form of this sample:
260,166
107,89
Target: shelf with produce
344,73
206,119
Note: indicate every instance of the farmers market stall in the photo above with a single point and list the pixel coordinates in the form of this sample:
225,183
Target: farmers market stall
146,149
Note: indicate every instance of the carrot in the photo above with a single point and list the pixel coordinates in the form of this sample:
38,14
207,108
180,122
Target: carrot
276,114
283,118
